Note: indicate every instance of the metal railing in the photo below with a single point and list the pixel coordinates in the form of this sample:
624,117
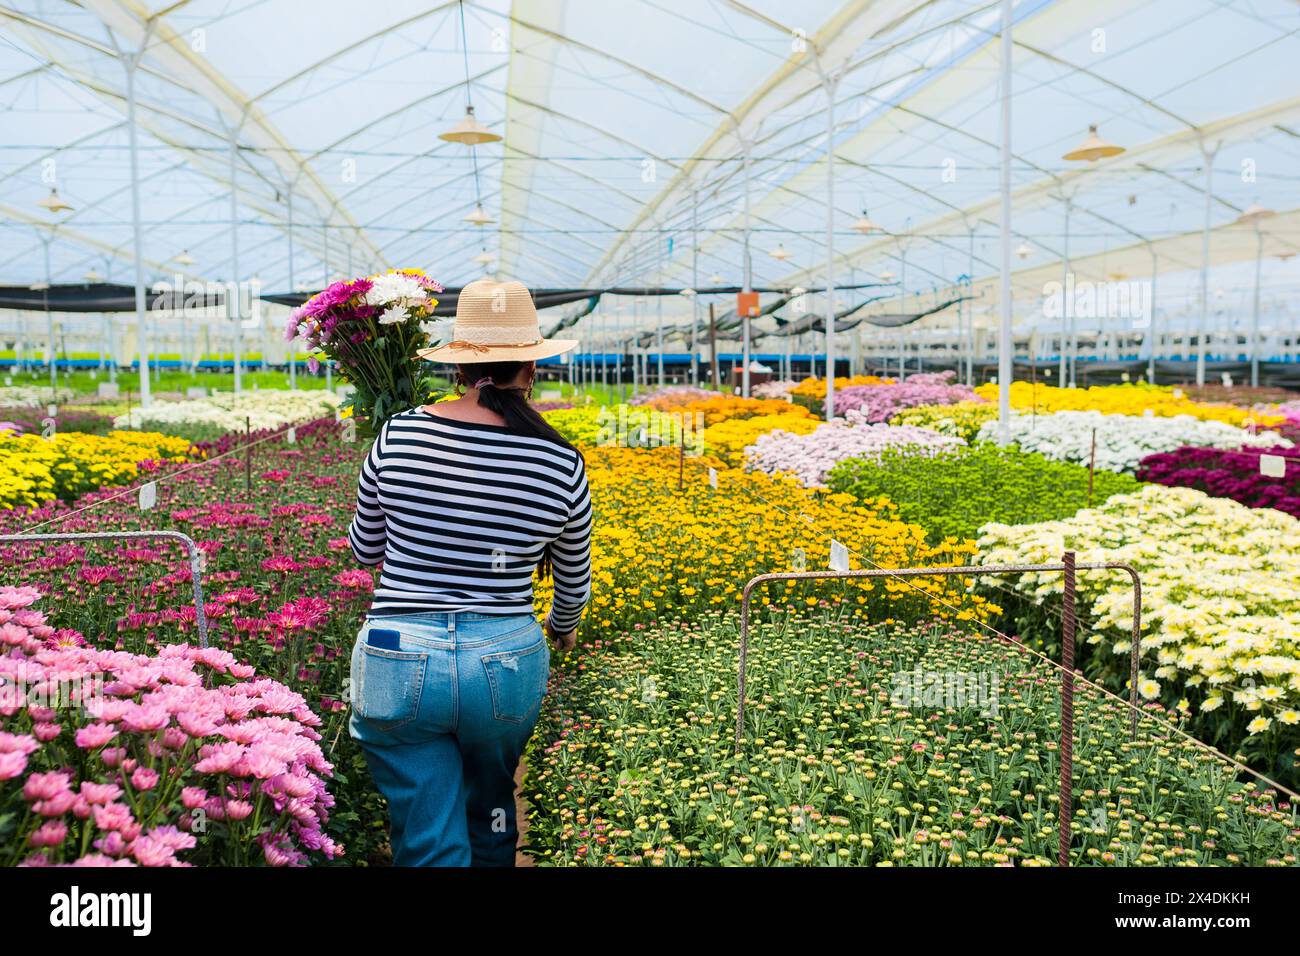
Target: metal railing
1069,567
191,549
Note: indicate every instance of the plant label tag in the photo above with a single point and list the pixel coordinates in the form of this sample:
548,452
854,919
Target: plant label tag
1272,466
148,495
291,435
713,478
839,556
1178,393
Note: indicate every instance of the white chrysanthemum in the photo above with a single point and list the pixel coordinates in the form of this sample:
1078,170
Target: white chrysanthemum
1122,440
394,288
265,408
393,315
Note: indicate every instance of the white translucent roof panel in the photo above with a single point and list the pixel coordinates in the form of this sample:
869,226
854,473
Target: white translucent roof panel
622,121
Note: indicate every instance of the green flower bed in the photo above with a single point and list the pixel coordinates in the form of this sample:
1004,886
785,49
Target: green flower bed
633,763
953,494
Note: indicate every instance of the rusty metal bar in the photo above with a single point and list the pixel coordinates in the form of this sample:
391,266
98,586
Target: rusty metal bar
1065,753
191,549
1069,566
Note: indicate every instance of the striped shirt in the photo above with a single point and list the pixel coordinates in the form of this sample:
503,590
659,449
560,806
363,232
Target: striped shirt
459,512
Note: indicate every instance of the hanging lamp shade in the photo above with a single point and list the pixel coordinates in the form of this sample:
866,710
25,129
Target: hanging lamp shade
1023,250
864,225
185,259
1093,148
886,276
715,278
478,217
53,202
1284,256
780,253
469,131
485,258
93,276
1255,213
798,291
689,293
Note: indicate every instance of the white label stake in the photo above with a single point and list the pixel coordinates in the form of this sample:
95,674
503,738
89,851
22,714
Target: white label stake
1272,466
713,478
839,556
148,495
291,435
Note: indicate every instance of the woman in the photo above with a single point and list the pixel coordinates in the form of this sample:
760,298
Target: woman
461,501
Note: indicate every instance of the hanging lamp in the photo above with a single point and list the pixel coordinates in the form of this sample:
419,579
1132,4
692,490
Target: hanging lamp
1093,148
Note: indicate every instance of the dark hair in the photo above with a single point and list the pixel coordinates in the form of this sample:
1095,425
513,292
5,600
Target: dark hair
511,403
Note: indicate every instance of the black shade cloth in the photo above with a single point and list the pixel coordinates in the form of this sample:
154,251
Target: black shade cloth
98,297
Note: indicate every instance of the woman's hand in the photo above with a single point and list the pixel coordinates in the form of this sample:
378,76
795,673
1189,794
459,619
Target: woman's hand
563,641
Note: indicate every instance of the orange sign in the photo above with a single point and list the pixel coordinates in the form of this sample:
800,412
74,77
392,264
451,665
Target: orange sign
747,303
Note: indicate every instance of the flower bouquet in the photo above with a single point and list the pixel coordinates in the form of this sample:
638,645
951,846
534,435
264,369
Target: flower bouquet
371,328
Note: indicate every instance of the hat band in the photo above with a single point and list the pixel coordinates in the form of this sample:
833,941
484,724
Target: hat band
462,344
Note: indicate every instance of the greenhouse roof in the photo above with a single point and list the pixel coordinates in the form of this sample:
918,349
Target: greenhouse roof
623,129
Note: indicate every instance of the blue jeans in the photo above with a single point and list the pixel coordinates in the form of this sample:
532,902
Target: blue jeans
443,721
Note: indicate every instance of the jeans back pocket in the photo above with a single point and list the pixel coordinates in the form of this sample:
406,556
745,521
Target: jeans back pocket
386,685
518,681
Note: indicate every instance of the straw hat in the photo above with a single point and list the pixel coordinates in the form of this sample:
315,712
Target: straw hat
496,322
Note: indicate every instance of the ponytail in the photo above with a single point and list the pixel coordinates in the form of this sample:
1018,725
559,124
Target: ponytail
511,403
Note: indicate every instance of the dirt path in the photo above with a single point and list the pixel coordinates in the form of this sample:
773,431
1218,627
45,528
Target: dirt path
521,815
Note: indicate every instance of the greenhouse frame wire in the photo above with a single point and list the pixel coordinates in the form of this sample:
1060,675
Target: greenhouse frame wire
897,64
